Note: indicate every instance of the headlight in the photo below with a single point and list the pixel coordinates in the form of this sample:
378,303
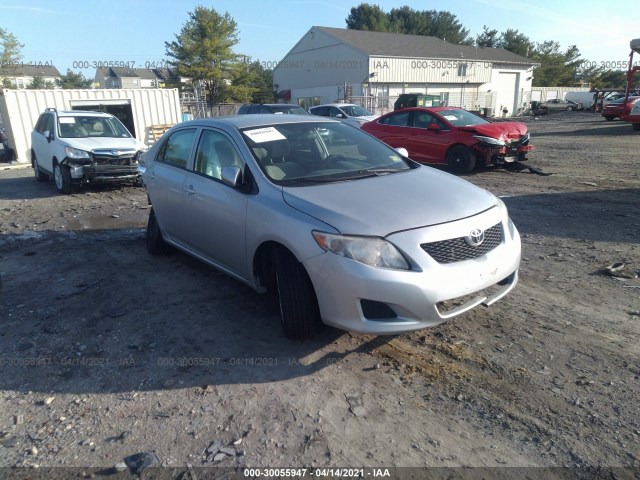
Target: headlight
490,141
372,251
76,154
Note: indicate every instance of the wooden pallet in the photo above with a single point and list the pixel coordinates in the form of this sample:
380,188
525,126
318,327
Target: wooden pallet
156,131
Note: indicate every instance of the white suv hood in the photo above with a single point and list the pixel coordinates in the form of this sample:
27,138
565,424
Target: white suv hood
391,203
95,143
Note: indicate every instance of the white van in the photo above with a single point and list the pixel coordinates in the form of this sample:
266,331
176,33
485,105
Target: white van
587,99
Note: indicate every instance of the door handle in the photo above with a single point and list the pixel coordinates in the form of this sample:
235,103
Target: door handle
189,190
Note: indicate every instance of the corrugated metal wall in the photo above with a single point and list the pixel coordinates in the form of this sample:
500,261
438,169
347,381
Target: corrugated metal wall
20,110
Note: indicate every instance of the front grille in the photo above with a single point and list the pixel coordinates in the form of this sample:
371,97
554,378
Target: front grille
126,159
457,249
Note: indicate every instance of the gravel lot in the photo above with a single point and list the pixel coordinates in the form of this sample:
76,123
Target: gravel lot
106,351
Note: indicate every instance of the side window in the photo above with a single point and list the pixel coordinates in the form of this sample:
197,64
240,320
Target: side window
214,152
50,125
42,121
398,120
322,111
45,122
422,120
177,148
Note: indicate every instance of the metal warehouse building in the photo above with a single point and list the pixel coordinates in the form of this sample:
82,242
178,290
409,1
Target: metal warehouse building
374,68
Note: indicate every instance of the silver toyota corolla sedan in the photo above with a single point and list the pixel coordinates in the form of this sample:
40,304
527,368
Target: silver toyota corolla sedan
347,231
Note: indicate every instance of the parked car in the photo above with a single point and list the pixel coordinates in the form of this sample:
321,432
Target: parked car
617,108
557,105
78,147
451,136
350,234
279,108
612,97
347,112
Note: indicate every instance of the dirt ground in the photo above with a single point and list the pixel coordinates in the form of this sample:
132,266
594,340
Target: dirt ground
107,352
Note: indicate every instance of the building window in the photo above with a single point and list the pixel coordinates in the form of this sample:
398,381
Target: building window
462,69
444,99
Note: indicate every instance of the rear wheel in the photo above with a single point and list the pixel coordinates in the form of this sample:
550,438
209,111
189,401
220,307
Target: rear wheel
62,176
299,309
461,159
155,243
569,109
608,118
636,127
40,175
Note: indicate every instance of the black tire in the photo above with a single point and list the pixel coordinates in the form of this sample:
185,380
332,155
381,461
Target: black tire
461,159
40,175
569,109
299,311
636,127
155,243
608,118
62,176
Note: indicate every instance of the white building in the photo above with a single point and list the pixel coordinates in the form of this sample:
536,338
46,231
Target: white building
373,68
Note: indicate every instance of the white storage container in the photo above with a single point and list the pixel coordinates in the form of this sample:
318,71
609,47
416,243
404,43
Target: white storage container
138,109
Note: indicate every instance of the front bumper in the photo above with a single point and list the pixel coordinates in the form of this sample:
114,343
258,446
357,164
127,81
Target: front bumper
101,169
355,297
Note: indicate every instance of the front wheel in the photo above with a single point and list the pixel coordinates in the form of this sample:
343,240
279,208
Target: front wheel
569,109
608,118
62,176
299,309
636,127
461,159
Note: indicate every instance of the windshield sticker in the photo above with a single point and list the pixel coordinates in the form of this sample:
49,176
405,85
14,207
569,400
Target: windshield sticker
451,118
261,135
66,120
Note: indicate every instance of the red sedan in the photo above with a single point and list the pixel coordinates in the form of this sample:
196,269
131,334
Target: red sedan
451,136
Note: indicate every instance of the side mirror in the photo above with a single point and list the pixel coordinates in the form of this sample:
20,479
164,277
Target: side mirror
231,176
339,115
434,127
48,135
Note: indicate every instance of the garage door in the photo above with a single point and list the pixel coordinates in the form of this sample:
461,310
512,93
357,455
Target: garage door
507,92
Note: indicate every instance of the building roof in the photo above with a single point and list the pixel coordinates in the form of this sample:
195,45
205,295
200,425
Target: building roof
26,70
385,44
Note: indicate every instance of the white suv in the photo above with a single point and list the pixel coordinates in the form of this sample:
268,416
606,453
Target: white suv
77,147
347,112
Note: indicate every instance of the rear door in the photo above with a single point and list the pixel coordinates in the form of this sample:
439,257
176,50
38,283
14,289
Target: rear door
165,180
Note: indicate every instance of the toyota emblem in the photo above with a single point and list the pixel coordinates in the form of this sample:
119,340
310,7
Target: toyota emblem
475,237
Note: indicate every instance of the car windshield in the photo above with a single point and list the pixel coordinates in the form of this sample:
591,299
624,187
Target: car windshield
297,154
91,126
355,111
289,110
461,118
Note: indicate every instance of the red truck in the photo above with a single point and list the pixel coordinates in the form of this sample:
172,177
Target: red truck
632,115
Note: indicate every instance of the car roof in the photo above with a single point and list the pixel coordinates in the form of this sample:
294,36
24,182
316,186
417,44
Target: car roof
256,120
84,113
426,109
292,105
336,105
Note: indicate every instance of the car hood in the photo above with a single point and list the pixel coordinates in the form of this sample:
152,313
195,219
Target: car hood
96,143
507,130
391,203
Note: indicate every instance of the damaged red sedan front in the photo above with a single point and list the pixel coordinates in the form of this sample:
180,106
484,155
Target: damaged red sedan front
452,136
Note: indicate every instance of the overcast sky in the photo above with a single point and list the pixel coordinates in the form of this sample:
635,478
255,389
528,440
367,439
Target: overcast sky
72,34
